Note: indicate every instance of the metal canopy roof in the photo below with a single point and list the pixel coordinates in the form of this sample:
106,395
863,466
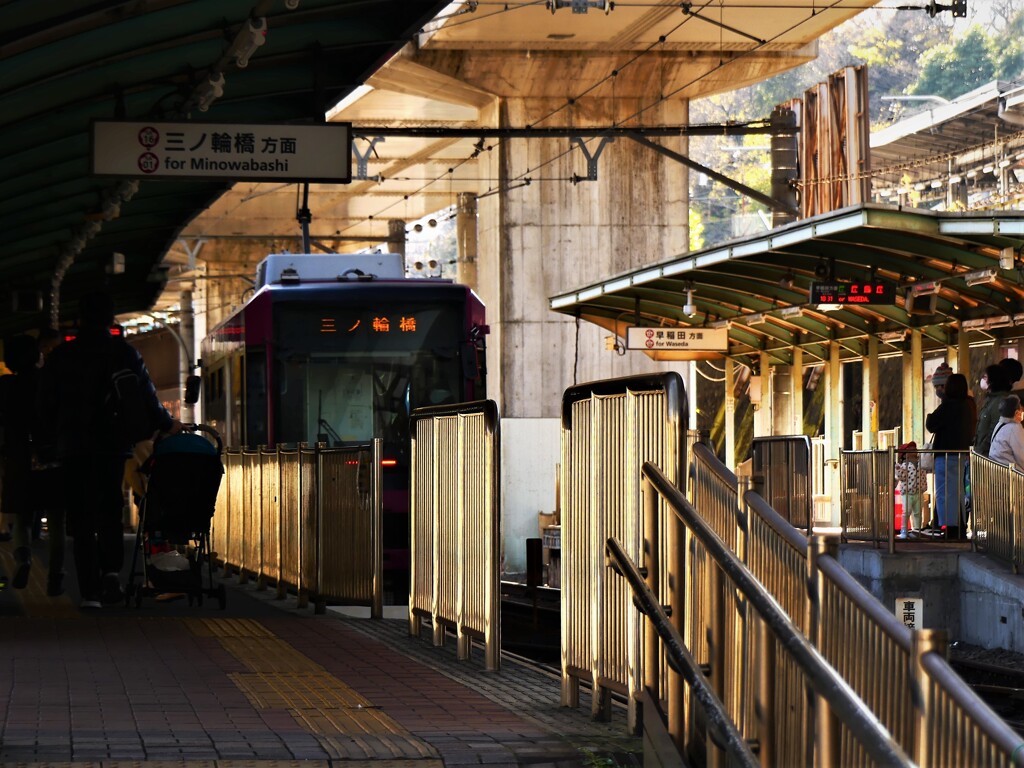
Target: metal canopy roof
67,62
735,284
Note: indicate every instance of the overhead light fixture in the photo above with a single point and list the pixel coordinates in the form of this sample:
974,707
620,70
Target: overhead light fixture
955,179
792,311
580,6
721,324
787,280
252,35
1004,163
758,318
981,277
988,168
892,336
208,91
689,308
1007,256
829,307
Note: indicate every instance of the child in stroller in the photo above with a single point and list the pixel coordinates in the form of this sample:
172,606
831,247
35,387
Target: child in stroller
183,477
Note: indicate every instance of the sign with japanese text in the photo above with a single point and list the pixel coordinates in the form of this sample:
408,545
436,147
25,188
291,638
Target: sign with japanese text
231,152
910,611
864,292
678,339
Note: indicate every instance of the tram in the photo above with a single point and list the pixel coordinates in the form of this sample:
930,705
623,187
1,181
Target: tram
339,349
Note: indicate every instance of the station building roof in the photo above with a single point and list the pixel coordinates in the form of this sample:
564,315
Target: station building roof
953,273
66,63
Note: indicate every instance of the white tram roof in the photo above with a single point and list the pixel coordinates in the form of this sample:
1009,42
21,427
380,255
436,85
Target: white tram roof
292,268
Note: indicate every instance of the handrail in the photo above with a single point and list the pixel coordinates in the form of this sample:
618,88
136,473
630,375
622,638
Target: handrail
679,657
827,683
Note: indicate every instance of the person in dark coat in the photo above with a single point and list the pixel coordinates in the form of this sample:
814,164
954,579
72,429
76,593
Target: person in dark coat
995,383
17,394
952,425
90,446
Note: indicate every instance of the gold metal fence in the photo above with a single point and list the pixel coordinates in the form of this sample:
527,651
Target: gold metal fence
609,429
782,474
997,501
868,480
305,518
900,675
456,525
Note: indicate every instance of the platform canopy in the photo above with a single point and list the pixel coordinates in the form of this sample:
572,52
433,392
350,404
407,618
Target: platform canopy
66,63
952,273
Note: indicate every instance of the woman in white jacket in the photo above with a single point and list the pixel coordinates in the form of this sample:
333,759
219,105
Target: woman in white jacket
1008,435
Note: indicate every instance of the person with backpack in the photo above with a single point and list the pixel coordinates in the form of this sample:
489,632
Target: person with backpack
96,400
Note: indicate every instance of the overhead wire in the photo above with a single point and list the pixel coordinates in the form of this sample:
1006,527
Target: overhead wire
527,174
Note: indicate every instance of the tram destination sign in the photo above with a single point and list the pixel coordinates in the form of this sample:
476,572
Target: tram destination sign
678,339
864,292
225,151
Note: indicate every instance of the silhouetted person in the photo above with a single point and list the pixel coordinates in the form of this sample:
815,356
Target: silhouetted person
46,483
17,395
90,445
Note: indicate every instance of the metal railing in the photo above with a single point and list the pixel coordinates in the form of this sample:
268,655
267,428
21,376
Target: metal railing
609,429
456,525
307,518
781,472
902,676
868,480
997,501
755,657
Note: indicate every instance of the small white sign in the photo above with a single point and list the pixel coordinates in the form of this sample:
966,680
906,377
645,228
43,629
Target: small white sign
678,339
910,610
228,151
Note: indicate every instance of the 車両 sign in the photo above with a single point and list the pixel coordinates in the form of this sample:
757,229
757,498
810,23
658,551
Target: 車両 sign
678,339
227,151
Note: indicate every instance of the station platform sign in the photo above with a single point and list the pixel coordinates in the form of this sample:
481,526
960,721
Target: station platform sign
678,339
863,292
222,151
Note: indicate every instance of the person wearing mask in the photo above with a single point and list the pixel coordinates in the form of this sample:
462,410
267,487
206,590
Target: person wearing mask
1008,436
90,444
952,425
995,383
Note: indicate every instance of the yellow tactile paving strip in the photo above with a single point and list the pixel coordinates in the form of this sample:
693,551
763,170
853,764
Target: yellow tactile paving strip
298,691
284,679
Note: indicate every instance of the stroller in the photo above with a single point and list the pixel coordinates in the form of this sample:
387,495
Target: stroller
184,474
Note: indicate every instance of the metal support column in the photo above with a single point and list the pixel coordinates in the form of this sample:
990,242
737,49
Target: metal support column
186,352
797,390
730,415
869,410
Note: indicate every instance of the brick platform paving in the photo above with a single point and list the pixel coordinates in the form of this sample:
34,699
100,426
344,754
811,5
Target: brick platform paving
266,682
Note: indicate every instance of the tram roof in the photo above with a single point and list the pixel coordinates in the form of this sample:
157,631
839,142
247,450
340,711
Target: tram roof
759,287
66,63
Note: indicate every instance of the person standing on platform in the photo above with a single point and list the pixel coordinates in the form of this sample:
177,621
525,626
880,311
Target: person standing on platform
995,383
1014,371
46,484
91,446
17,395
912,483
1008,435
952,425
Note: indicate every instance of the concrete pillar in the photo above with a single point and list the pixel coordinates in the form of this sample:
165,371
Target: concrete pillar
186,351
540,239
869,411
465,233
396,236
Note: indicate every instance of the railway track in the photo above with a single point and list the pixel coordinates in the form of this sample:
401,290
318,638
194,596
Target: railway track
1000,686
